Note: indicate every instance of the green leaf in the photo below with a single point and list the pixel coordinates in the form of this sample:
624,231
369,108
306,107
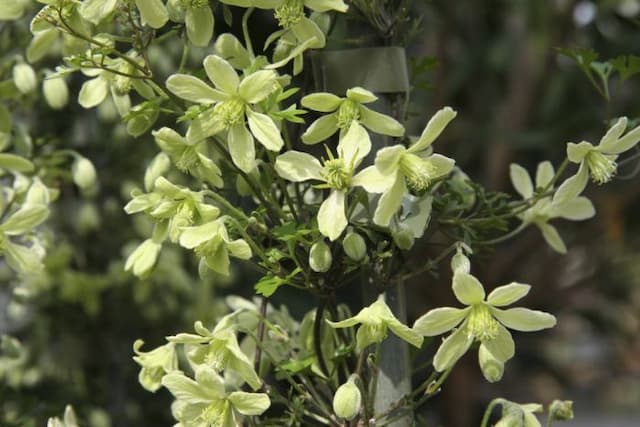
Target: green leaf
268,285
626,66
15,163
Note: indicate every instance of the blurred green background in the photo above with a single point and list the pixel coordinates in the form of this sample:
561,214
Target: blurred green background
518,100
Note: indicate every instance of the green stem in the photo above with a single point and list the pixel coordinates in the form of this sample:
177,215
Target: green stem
487,413
245,32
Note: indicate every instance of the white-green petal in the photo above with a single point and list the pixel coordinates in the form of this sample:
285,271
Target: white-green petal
442,165
242,148
439,320
326,5
361,95
309,33
355,145
610,139
199,23
390,202
380,123
321,101
11,9
502,346
296,166
93,92
373,181
577,152
404,332
388,159
194,236
332,219
530,420
452,349
193,89
524,319
239,249
626,142
433,129
521,180
25,219
153,12
143,258
230,48
572,187
544,174
257,86
41,44
221,73
96,10
507,294
205,125
121,101
249,403
21,258
467,289
578,209
552,237
321,129
265,130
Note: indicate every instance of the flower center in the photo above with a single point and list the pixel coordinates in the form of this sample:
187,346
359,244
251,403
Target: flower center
289,13
418,172
481,325
218,357
188,160
348,112
336,174
230,112
216,414
602,167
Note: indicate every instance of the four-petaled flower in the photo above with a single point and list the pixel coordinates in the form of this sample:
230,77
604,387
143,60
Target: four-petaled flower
374,321
482,320
600,160
206,402
336,172
345,111
227,106
565,203
398,167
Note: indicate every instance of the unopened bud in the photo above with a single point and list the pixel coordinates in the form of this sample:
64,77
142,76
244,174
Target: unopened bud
354,246
83,173
460,263
55,92
24,77
320,257
403,239
492,368
561,410
347,400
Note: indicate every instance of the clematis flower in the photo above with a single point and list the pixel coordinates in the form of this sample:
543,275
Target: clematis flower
565,203
21,258
219,349
188,157
337,173
152,12
519,414
155,364
227,106
197,17
481,321
212,244
398,168
374,322
205,402
345,111
600,160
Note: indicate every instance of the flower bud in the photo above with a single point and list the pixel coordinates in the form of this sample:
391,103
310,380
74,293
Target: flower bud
492,368
24,77
320,257
347,400
460,262
354,246
83,173
561,410
55,92
403,239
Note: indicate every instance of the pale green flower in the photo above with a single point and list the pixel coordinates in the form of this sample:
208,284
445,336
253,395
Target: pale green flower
482,320
348,400
228,105
212,244
398,168
600,160
142,260
205,402
290,13
12,9
152,12
519,414
374,321
345,111
219,349
197,17
336,172
155,364
69,419
565,203
188,157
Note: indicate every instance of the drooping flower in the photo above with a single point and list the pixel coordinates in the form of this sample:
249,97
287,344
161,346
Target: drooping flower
343,112
228,106
483,320
600,160
336,172
154,364
398,168
519,414
205,402
375,321
565,203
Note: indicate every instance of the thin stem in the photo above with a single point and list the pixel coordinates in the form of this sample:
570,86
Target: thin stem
228,206
504,237
261,328
317,337
487,413
245,31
